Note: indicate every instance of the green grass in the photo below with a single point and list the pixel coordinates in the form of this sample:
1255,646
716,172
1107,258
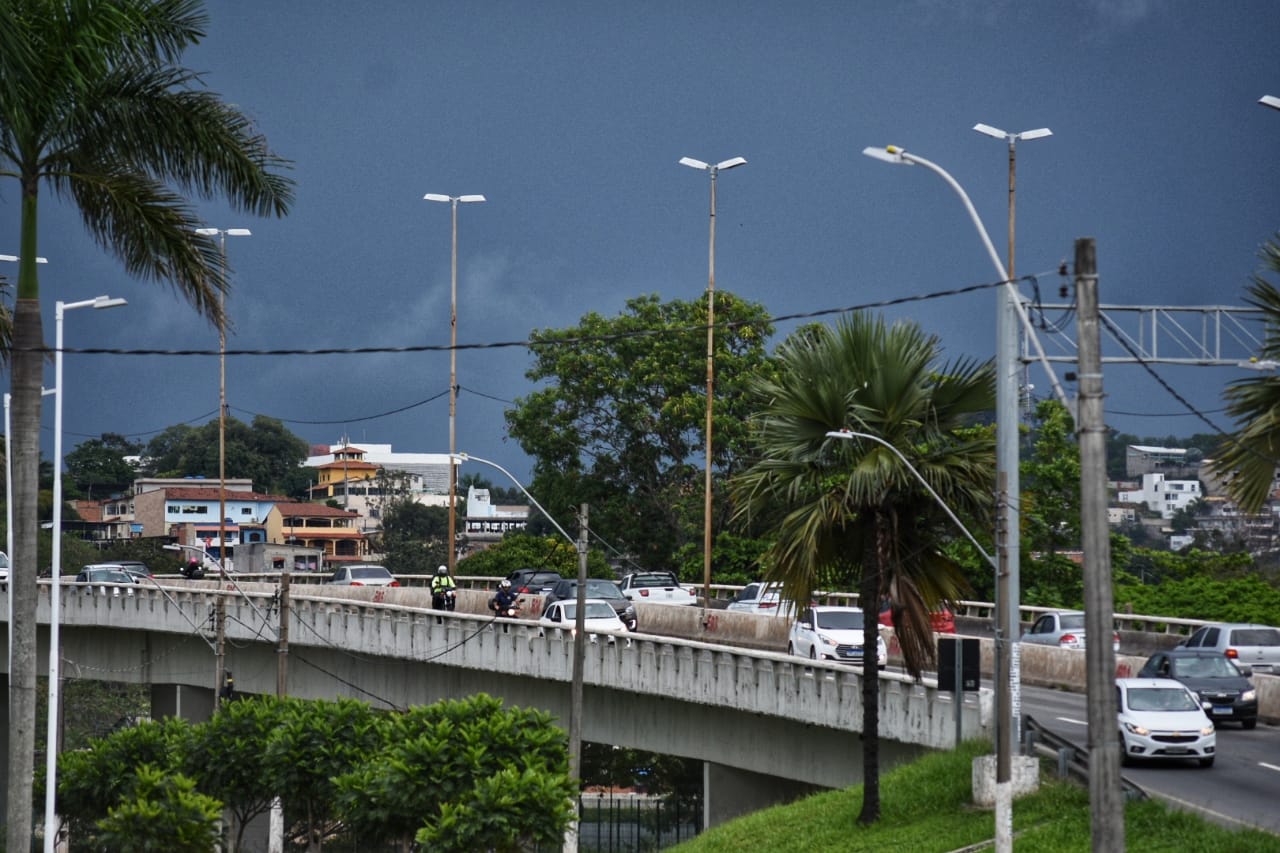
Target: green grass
927,806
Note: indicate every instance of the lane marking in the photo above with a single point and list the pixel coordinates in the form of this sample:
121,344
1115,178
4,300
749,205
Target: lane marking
1074,722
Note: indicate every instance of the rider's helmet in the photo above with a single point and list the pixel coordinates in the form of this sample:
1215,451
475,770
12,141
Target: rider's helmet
442,570
506,584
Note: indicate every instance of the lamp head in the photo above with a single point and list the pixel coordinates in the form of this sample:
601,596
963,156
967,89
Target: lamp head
109,302
889,154
467,199
731,163
1035,134
990,131
1270,101
694,164
436,197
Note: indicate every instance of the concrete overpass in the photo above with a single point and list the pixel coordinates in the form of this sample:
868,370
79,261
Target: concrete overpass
769,726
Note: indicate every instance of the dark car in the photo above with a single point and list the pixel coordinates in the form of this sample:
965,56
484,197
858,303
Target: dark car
600,588
103,574
138,569
1219,683
533,581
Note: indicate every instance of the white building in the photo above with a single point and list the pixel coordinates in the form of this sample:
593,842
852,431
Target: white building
1162,496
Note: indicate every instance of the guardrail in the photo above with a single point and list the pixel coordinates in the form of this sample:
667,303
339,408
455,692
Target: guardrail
1072,760
1159,625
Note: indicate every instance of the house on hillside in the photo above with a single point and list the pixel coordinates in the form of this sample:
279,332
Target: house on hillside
334,531
1161,495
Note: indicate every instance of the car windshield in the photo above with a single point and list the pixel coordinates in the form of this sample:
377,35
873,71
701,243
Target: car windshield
840,619
1071,621
597,589
1255,637
653,580
1161,699
595,610
109,576
1208,666
369,572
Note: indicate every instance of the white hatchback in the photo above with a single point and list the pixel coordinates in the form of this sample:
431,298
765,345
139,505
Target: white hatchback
833,633
599,617
1161,719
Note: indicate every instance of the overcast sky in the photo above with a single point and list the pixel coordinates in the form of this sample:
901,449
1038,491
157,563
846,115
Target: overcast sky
570,118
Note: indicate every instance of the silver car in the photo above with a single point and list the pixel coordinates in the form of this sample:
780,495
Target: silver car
1256,646
1062,628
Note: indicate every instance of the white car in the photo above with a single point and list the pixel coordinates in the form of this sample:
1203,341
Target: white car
833,633
656,588
1161,719
598,618
758,597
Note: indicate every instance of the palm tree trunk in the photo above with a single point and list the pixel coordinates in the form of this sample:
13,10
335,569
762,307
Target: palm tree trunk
28,368
869,598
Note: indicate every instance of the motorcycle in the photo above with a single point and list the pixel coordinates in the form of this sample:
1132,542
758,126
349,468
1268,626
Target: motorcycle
444,599
193,571
508,612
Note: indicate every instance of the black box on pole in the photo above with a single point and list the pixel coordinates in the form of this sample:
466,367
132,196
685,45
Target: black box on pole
969,669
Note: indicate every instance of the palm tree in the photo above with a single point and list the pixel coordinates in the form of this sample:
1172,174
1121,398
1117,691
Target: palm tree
1247,460
93,105
852,508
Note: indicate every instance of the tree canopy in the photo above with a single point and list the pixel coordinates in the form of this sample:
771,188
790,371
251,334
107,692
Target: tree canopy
619,420
264,451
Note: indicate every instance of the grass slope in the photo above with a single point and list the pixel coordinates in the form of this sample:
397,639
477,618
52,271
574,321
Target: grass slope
927,806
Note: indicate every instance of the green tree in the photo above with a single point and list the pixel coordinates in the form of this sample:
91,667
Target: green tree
620,417
415,537
1247,461
450,755
264,452
101,463
852,508
164,813
315,743
525,551
1051,510
95,105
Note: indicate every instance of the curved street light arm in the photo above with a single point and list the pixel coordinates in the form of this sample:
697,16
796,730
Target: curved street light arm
848,433
459,458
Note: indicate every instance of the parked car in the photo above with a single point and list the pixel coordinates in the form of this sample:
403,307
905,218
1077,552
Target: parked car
102,574
533,581
833,633
605,590
1257,646
657,588
1062,628
758,597
1218,682
598,617
941,621
362,574
1162,719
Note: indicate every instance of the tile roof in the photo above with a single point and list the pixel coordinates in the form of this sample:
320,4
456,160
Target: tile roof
202,493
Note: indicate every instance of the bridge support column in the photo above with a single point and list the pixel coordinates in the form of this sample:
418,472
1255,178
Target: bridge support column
728,792
194,704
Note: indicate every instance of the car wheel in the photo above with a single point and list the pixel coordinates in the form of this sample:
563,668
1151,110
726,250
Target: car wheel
1206,762
1125,759
1251,723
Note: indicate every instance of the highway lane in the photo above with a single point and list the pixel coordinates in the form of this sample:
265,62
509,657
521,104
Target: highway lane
1239,790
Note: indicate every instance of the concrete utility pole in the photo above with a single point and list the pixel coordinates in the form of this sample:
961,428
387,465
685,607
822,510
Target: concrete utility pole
575,695
1106,800
282,647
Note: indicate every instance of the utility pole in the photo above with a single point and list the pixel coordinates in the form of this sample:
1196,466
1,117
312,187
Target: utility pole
575,692
1106,801
282,648
219,648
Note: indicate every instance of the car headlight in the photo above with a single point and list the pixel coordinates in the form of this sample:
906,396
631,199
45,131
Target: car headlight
1207,730
1141,730
826,641
1249,695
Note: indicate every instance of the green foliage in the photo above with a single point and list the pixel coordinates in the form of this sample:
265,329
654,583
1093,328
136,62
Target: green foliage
265,452
415,537
524,551
736,559
99,463
507,812
1244,599
451,756
620,415
163,813
1050,482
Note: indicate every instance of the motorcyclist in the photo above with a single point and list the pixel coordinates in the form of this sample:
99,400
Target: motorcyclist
503,602
443,589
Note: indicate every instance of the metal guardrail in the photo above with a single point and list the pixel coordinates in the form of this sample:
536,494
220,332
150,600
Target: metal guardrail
1165,625
1073,761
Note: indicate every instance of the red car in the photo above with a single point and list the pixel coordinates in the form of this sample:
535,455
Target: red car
941,621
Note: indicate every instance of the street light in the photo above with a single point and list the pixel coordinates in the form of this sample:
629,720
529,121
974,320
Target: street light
453,201
714,169
1013,139
1008,692
222,234
55,589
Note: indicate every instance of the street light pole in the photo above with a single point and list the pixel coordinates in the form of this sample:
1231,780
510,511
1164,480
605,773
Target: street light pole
715,170
223,234
55,588
1008,693
453,201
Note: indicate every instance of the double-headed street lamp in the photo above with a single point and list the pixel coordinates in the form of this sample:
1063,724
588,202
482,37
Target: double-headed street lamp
55,589
1012,139
222,234
453,201
714,169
